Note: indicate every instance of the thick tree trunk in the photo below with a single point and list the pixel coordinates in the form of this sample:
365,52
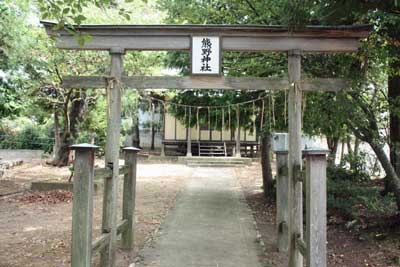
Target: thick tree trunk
78,108
63,157
266,166
333,146
392,179
71,122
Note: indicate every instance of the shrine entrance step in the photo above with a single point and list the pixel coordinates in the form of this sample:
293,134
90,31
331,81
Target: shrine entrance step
212,150
215,161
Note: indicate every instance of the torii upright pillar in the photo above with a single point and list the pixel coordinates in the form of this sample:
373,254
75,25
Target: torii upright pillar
295,185
109,221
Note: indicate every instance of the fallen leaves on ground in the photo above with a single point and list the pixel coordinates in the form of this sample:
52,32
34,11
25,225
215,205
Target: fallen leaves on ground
47,197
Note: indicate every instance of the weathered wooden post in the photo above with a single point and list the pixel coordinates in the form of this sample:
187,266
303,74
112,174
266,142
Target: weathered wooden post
162,154
237,150
128,204
189,136
294,160
316,207
282,197
109,222
82,207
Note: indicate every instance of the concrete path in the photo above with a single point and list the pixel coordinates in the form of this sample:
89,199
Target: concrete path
210,225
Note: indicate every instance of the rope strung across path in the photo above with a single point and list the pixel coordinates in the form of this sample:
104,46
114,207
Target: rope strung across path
211,106
111,81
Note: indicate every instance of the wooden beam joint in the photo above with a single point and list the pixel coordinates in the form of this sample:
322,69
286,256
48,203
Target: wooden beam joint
101,242
117,50
301,245
283,227
298,173
283,171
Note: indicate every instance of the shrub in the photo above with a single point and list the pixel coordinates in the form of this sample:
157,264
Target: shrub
26,136
354,195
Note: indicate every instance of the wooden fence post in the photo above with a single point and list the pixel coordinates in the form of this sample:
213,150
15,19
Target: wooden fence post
129,195
82,207
109,220
316,207
189,136
238,152
294,160
282,209
162,154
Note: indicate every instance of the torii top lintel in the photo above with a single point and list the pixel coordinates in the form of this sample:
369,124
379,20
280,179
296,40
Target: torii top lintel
252,38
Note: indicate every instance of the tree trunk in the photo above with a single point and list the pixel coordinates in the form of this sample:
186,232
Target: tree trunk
333,146
78,108
135,132
342,152
349,148
57,137
266,165
357,142
63,157
392,179
394,100
352,152
71,121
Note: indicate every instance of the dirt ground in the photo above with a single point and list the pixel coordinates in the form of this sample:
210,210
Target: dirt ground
346,248
36,227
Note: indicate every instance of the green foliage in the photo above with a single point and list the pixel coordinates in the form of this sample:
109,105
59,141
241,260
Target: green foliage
71,13
355,196
14,41
29,136
32,69
357,175
358,165
94,126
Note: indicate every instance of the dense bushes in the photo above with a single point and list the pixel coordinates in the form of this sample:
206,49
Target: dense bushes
25,134
354,195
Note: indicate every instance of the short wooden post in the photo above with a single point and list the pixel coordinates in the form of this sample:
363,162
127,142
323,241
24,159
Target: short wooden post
282,209
82,205
294,160
316,207
109,220
237,150
129,194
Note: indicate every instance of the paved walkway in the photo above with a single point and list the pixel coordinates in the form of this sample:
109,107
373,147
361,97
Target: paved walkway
210,225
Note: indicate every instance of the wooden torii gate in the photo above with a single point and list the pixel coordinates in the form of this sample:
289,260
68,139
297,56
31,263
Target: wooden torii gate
120,38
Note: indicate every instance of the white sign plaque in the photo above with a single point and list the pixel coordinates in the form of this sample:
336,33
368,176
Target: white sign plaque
206,55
